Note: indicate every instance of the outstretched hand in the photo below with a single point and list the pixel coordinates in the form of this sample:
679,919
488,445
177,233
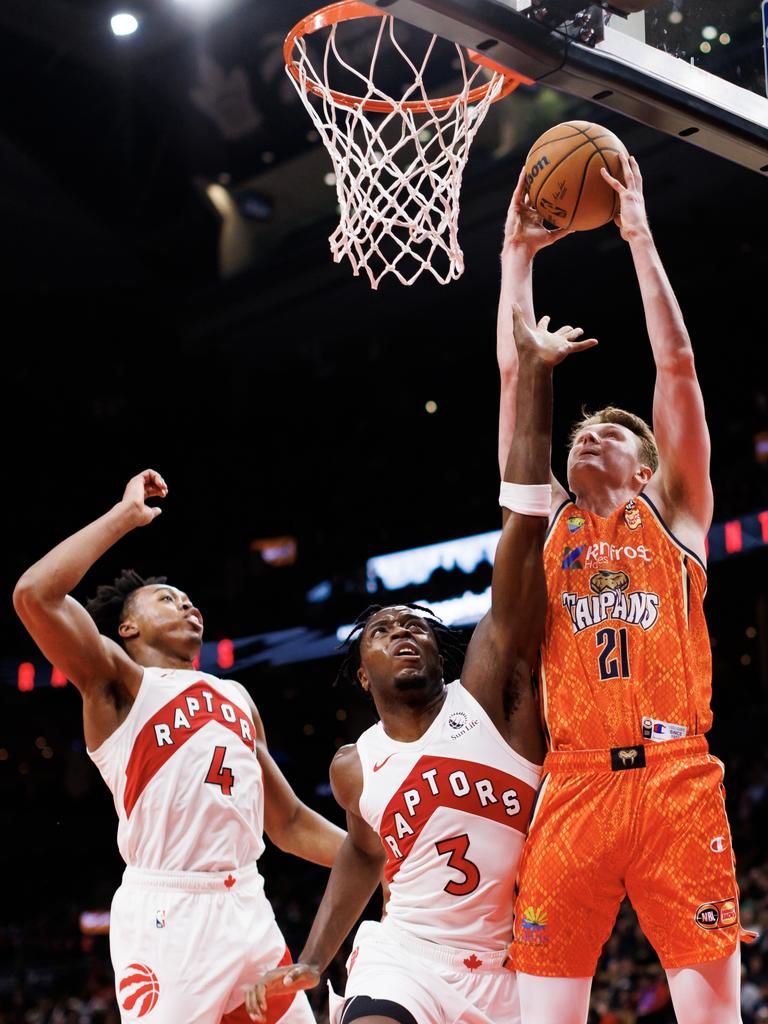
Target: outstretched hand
148,484
549,347
280,981
631,218
524,225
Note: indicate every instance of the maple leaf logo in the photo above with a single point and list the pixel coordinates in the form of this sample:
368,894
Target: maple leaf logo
229,881
473,963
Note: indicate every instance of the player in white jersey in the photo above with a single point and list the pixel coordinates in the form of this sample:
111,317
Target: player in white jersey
439,793
185,756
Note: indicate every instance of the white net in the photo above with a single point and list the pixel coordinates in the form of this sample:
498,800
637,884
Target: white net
398,162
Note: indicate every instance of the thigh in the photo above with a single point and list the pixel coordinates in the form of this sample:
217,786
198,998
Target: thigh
707,993
681,881
167,966
554,1000
571,874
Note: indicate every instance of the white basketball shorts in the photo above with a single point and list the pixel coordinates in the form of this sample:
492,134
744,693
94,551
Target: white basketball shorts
185,945
434,984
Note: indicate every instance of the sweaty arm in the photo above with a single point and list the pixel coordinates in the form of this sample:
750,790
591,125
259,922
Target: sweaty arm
355,876
681,487
504,646
292,826
60,626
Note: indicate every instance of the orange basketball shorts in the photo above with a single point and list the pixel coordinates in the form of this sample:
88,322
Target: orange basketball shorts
646,821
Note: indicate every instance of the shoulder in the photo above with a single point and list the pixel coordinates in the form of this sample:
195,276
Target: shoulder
347,776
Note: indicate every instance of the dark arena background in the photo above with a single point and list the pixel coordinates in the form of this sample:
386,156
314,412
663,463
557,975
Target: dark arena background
169,300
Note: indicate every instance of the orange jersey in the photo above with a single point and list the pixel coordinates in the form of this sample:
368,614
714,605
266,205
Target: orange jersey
626,656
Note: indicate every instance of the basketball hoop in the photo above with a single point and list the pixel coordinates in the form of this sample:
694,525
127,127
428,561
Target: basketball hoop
398,162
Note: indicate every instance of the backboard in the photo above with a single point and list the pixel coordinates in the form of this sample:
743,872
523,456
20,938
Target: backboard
689,68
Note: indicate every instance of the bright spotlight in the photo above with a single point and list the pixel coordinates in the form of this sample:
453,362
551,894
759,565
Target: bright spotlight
709,32
124,24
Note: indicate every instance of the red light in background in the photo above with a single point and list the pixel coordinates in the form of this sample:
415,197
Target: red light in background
733,542
196,662
57,677
225,654
26,676
763,520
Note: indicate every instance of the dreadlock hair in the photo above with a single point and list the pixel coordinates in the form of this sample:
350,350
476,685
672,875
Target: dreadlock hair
108,606
449,643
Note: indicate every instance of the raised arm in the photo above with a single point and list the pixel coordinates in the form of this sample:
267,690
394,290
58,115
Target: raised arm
681,486
60,626
354,878
503,648
524,235
292,826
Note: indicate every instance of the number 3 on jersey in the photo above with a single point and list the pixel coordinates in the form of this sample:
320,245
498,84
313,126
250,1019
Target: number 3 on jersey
457,848
218,775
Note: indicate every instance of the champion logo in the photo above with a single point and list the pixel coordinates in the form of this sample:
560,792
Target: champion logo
139,989
229,881
381,764
718,844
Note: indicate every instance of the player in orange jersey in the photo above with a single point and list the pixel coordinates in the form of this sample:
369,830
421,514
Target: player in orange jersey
631,802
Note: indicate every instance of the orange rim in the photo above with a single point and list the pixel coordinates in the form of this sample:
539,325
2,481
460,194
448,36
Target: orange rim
350,10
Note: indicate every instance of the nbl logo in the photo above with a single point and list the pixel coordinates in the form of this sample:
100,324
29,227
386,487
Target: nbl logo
139,989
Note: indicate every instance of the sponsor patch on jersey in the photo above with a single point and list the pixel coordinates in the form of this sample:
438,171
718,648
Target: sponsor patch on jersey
457,720
658,731
602,554
632,515
575,523
572,557
717,914
534,927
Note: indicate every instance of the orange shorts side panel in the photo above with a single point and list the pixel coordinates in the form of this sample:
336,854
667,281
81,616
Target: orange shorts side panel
658,833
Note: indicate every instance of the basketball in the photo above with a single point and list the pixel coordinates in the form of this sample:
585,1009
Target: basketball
562,172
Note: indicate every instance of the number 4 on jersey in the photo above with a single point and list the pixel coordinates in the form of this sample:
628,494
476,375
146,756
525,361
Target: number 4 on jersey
218,775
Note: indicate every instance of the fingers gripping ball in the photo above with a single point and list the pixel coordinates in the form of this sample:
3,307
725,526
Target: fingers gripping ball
562,173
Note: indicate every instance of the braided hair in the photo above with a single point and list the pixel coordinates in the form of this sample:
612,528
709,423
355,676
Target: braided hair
450,644
108,607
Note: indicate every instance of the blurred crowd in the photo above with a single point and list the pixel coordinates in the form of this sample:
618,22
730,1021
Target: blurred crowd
58,976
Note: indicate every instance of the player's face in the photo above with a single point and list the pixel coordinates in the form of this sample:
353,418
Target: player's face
606,454
399,655
163,616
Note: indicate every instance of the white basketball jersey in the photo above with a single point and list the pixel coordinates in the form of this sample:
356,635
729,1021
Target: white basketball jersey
452,809
184,775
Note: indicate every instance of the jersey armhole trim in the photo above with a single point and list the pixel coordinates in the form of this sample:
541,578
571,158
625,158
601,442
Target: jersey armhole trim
556,517
508,748
672,537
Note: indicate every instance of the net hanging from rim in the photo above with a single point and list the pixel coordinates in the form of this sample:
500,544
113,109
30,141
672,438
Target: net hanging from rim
398,162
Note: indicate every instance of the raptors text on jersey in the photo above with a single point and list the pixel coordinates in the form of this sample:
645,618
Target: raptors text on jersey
184,775
452,809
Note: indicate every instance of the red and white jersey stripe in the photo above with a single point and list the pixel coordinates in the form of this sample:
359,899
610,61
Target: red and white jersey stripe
184,775
452,810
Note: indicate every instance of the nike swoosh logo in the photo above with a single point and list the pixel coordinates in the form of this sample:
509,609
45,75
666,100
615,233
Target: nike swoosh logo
382,763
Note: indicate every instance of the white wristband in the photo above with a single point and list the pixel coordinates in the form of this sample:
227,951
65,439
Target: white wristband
527,499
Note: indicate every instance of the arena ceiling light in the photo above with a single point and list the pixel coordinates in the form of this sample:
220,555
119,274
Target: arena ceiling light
124,23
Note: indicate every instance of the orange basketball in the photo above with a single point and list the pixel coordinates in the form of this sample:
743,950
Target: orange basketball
562,172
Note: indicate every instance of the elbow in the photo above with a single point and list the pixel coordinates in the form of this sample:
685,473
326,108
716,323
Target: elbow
25,594
680,362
